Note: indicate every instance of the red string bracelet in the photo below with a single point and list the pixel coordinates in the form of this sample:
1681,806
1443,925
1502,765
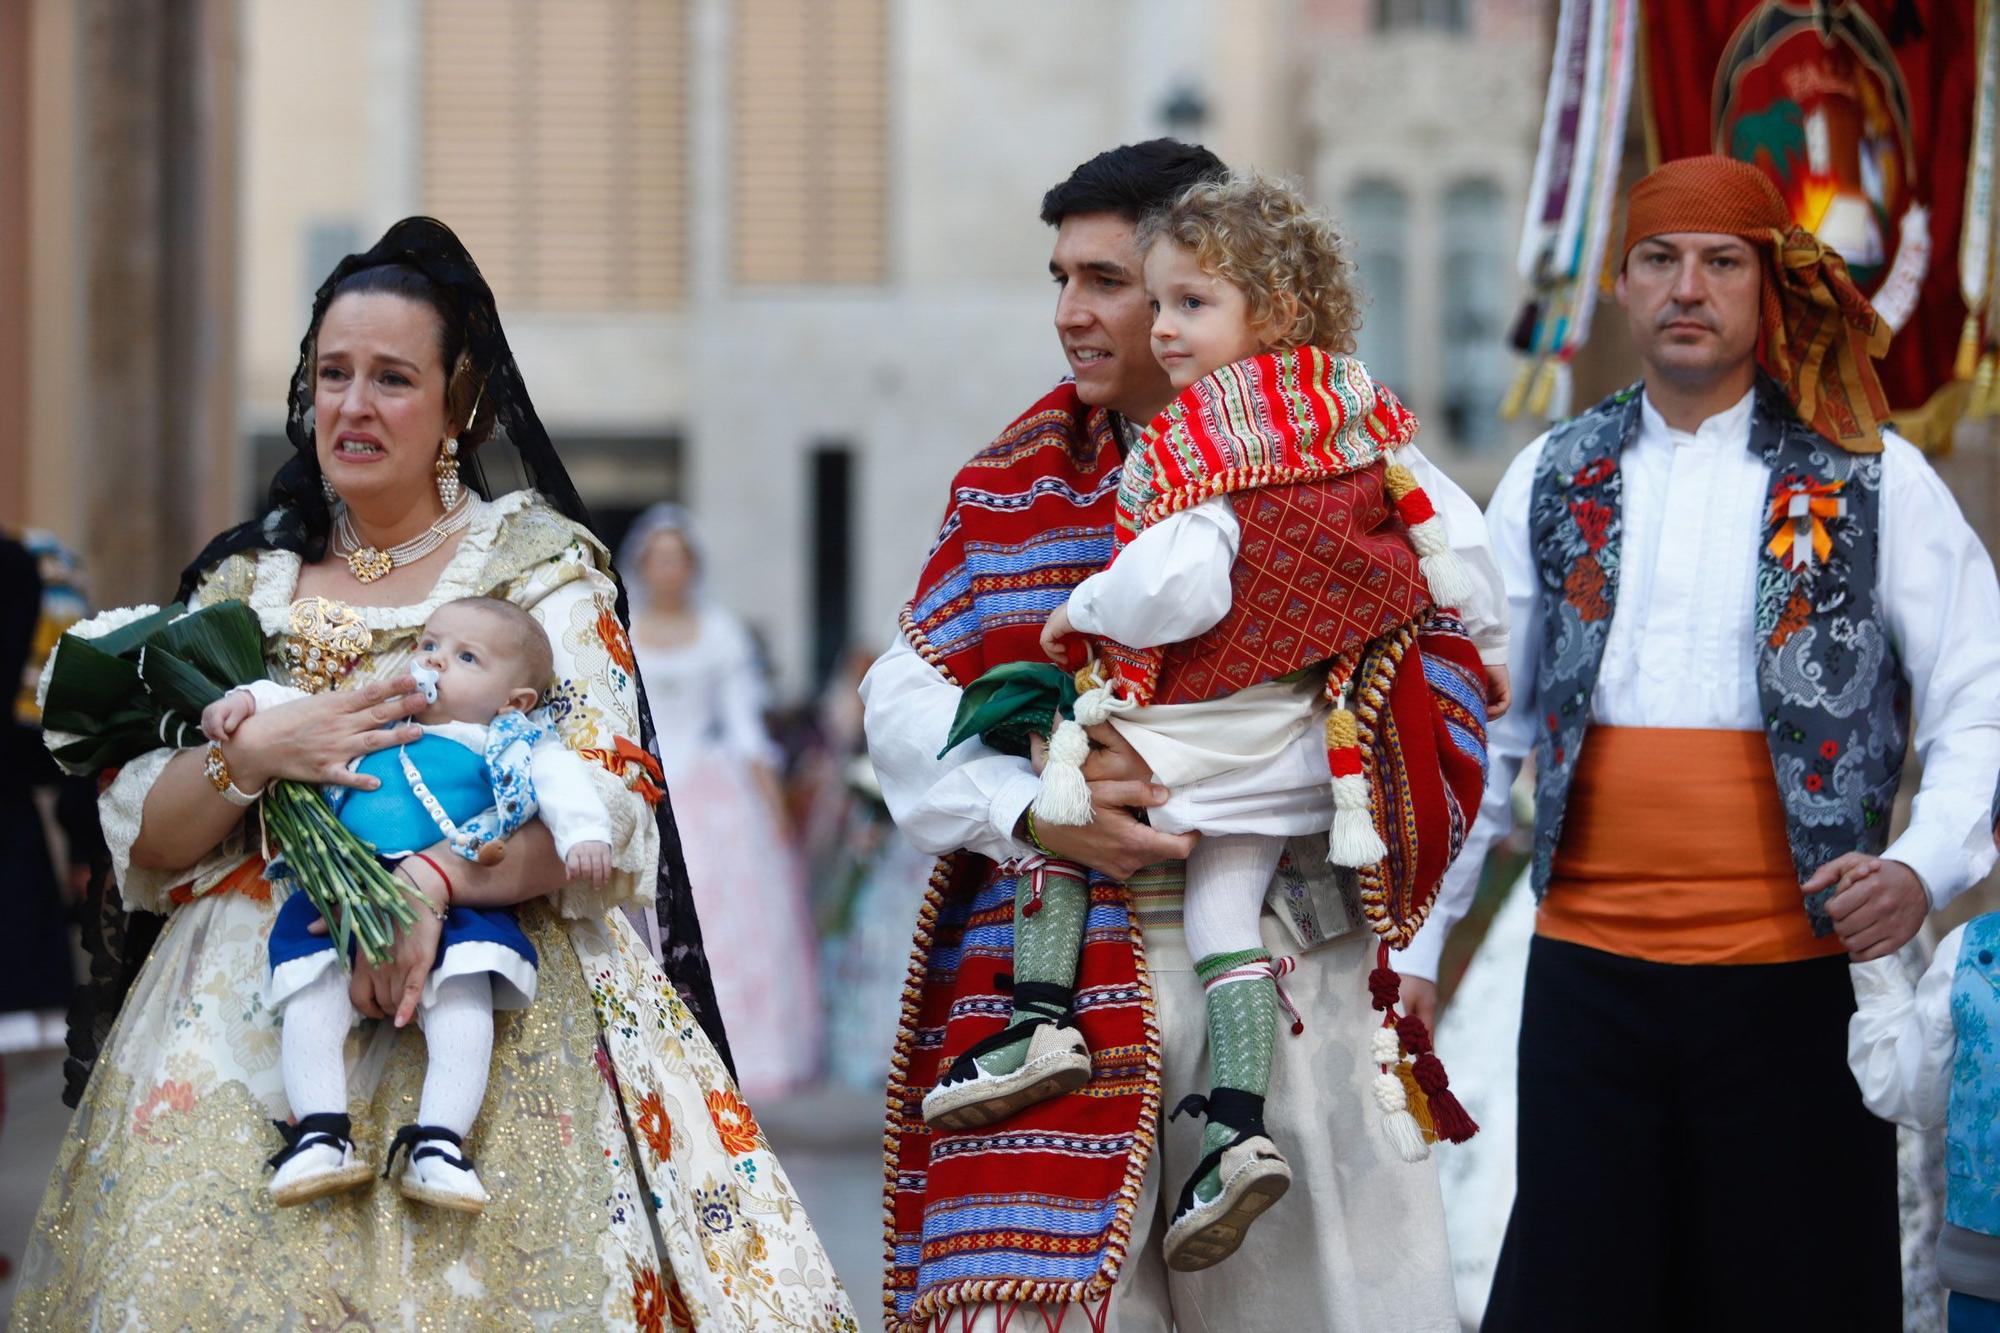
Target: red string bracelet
440,874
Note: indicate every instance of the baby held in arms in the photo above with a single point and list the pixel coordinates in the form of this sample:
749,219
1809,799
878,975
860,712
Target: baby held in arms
482,766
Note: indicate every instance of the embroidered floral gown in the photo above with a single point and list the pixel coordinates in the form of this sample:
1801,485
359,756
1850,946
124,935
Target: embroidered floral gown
631,1186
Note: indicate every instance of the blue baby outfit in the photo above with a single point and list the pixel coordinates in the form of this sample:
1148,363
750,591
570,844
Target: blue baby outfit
392,819
395,821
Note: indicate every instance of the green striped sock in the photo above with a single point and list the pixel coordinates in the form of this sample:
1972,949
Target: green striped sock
1242,1024
1045,949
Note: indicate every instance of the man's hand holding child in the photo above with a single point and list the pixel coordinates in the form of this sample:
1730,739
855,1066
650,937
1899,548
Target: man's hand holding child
1499,691
1054,630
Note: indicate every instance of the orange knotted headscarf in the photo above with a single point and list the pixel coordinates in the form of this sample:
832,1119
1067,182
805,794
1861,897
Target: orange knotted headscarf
1819,332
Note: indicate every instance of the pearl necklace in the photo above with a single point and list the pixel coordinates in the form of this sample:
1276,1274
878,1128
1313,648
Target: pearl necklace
370,562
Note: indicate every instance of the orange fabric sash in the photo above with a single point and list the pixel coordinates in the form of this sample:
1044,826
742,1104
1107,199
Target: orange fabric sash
1674,851
247,878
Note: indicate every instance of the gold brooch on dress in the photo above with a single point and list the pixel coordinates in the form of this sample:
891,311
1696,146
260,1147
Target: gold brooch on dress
326,642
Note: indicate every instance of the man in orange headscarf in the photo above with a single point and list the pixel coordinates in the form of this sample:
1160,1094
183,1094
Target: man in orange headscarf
1816,332
1728,586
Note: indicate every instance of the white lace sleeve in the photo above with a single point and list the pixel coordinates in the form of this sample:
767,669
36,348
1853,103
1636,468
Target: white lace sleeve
594,705
121,808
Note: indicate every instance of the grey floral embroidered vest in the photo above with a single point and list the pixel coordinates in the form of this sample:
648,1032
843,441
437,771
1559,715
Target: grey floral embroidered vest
1835,702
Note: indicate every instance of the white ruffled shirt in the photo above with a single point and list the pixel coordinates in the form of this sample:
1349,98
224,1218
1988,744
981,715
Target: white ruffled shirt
1682,652
1177,585
1901,1042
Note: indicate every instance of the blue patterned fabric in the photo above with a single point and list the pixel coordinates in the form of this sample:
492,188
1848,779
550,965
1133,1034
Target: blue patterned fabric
1835,700
510,740
1972,1119
485,796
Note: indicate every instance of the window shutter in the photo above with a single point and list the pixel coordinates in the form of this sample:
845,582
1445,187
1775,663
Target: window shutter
555,144
811,141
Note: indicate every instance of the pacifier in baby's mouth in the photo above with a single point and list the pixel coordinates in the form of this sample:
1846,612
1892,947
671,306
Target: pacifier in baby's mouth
427,680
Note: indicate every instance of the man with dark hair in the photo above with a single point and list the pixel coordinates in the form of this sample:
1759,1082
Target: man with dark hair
1062,1203
1729,586
1131,181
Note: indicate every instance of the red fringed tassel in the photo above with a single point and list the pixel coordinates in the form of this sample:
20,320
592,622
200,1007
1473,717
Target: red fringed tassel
1453,1122
1447,1113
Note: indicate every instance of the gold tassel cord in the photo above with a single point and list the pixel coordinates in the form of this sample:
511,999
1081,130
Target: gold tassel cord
1545,389
1420,1105
1517,393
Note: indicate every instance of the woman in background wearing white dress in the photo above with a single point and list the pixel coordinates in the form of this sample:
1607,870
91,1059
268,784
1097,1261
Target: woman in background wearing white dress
722,767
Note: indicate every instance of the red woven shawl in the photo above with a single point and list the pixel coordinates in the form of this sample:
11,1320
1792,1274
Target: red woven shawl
1030,518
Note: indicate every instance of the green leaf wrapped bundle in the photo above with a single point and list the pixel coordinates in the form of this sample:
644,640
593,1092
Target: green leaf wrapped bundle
128,682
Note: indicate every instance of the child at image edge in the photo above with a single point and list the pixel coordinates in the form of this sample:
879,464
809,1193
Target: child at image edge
1925,1056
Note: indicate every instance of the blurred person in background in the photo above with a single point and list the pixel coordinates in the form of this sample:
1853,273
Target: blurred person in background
707,688
633,1187
869,883
39,597
36,968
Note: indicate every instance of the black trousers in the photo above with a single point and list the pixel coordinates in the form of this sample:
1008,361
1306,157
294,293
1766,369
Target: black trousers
1694,1155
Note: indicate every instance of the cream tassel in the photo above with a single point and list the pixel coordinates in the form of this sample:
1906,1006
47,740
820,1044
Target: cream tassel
1397,1122
1443,571
1353,841
1065,796
1093,706
1405,1134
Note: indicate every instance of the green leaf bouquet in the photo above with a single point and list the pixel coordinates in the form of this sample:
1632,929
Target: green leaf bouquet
136,679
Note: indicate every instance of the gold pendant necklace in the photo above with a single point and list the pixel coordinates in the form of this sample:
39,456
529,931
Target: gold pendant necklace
370,563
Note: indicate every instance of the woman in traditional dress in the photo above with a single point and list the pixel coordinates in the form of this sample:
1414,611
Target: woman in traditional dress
632,1188
707,687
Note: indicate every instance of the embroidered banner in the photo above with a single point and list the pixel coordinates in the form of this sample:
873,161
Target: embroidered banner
1862,114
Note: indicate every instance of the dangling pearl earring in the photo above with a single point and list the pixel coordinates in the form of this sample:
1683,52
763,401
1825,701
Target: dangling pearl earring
447,475
326,488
